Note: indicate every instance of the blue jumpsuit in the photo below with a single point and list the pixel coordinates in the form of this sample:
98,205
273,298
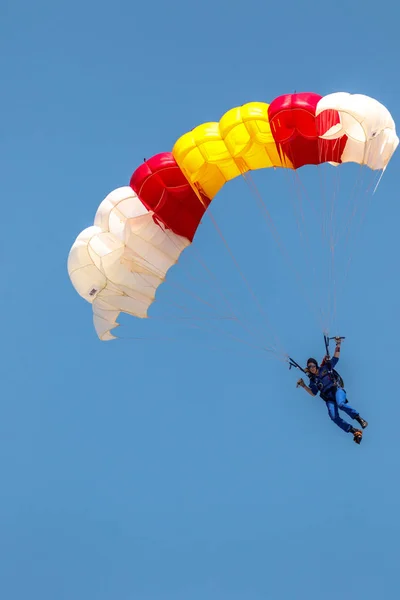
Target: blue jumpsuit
334,396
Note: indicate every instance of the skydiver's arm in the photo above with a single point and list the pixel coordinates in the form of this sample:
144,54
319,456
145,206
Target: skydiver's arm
308,389
337,349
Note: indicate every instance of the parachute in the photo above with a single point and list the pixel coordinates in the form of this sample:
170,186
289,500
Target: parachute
140,230
118,263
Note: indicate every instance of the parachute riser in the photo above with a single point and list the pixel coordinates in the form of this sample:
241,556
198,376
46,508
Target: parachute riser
293,363
327,340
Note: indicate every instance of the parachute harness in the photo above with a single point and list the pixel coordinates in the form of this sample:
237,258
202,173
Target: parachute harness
332,373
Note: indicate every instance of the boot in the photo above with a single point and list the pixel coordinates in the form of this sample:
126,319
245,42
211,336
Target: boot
362,422
357,435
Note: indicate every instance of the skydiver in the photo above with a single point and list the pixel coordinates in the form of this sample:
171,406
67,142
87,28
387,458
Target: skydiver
324,381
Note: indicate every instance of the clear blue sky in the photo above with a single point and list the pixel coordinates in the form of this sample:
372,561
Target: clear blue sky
190,468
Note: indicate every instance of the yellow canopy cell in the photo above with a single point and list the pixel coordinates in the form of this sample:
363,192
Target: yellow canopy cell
214,153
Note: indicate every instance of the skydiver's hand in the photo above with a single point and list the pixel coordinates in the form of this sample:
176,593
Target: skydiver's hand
338,341
301,383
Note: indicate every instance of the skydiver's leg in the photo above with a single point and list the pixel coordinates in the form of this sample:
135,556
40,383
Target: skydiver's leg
352,412
341,402
334,415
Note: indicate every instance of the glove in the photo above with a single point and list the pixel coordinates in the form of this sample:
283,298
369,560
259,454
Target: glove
300,383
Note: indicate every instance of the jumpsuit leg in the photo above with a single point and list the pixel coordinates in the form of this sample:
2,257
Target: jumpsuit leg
340,401
333,411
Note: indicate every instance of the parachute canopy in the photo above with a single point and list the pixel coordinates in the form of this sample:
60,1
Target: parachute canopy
140,230
118,263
